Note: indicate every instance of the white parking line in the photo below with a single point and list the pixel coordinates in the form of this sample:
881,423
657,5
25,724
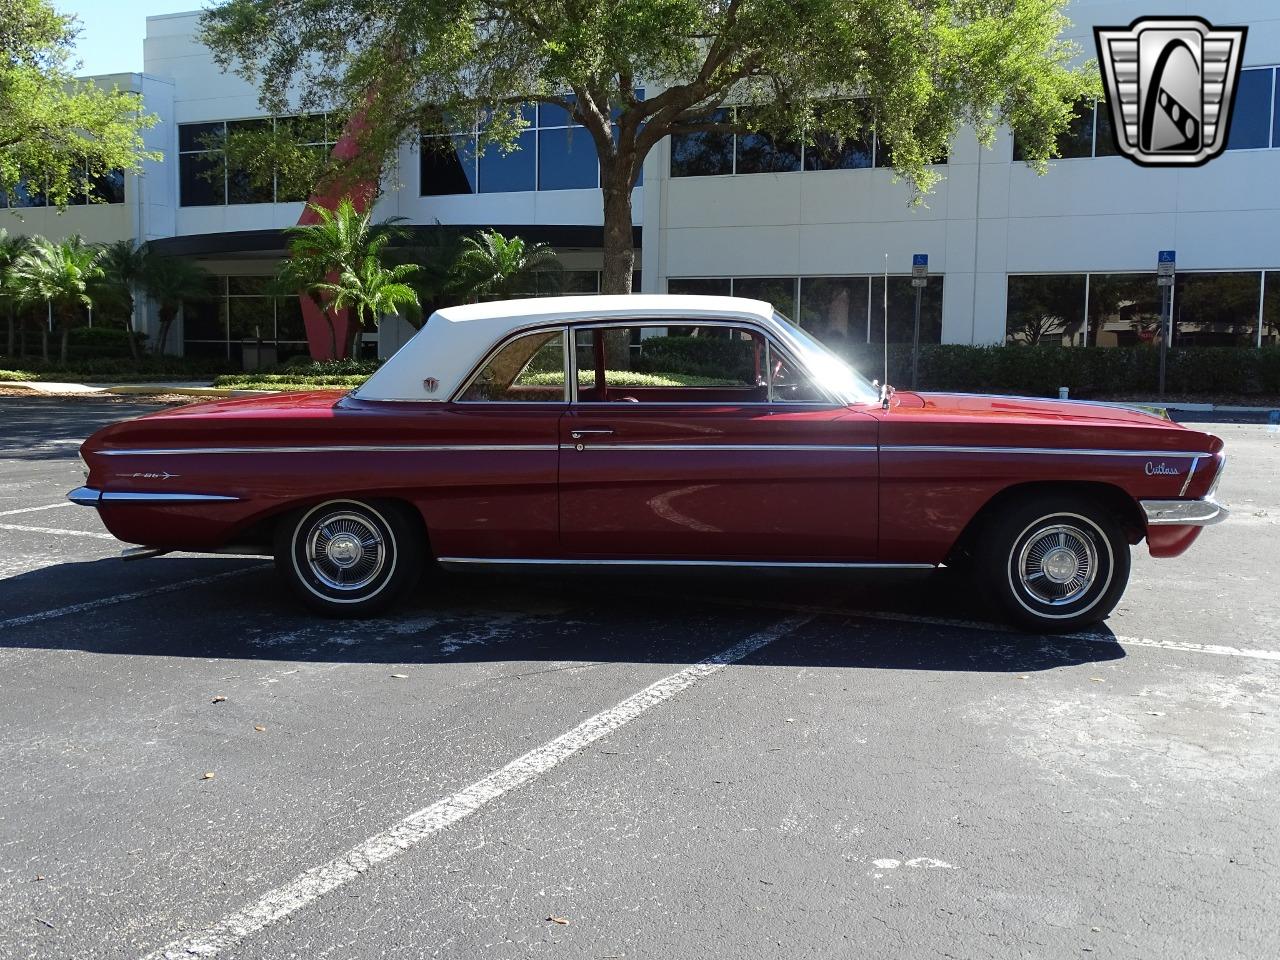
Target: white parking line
279,903
47,506
57,531
1182,646
125,597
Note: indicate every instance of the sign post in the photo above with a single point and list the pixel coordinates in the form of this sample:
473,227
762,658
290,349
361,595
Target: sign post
919,280
1166,269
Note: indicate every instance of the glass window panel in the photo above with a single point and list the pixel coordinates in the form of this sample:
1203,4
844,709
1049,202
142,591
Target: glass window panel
554,115
447,166
567,160
829,153
1046,310
510,172
566,282
1271,310
699,286
24,195
308,128
1074,142
299,192
779,291
198,136
1124,309
248,286
251,318
1216,309
195,187
1104,139
834,309
530,368
902,310
764,153
289,322
528,115
1275,114
204,320
1251,115
205,349
884,156
108,187
703,154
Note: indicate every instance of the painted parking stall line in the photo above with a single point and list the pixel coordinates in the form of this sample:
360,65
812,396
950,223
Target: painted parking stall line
57,531
315,883
126,597
1180,646
47,506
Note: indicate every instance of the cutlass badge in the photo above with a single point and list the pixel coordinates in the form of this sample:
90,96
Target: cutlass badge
1160,470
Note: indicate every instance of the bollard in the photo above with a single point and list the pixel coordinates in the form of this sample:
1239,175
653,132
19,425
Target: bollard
1063,393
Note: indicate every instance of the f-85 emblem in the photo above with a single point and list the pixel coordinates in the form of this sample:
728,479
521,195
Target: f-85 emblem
153,476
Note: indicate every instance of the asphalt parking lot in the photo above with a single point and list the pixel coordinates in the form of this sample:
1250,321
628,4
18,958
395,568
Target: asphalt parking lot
688,767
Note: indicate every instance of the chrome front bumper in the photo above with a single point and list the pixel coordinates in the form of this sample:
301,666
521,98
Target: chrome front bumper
1186,513
91,497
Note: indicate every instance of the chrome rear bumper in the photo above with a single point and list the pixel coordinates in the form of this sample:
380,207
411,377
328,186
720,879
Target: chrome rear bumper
1187,513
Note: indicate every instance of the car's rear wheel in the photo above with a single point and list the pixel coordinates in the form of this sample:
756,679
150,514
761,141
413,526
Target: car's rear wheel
1053,563
349,558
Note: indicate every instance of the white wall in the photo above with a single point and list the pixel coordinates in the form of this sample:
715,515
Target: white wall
991,216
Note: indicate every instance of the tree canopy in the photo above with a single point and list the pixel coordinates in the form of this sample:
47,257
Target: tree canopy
57,132
915,71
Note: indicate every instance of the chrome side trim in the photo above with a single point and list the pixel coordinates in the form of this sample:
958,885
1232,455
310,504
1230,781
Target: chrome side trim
1187,513
734,447
406,448
1186,484
1045,451
91,497
464,562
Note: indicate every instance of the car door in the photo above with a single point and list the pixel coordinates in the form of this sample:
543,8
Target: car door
727,463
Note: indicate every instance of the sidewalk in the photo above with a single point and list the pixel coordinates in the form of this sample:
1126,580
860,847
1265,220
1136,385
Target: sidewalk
191,388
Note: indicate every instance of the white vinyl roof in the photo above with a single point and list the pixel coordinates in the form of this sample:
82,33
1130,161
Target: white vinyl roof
455,339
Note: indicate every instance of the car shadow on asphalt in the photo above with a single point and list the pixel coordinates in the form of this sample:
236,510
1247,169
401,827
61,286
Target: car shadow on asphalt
915,622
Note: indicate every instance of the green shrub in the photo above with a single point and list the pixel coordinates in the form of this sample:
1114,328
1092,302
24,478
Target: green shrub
698,356
101,343
1086,371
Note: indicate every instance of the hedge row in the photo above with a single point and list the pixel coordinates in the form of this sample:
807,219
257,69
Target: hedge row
112,369
1086,371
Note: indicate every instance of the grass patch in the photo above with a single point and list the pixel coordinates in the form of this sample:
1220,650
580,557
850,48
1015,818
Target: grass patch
288,381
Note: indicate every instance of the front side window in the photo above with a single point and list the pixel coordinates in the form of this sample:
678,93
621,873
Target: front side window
695,362
529,369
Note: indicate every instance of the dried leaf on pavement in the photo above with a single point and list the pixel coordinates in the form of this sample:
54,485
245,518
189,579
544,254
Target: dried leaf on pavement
401,676
207,775
218,699
560,920
260,728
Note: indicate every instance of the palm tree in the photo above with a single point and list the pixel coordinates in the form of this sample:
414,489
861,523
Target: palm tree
491,265
123,265
171,281
11,250
60,275
340,242
371,290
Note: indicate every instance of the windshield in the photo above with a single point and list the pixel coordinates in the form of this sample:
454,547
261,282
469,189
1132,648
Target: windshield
832,372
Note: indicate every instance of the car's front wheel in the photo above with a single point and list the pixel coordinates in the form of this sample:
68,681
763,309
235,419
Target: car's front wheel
349,558
1053,563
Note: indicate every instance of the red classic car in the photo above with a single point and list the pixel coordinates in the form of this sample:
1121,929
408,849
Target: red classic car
655,431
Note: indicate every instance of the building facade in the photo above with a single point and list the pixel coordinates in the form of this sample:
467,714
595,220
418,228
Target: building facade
1066,258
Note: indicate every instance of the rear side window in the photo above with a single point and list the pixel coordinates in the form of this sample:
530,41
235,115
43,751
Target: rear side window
529,369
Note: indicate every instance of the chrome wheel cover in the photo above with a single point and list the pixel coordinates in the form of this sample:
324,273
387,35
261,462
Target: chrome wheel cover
1057,565
345,551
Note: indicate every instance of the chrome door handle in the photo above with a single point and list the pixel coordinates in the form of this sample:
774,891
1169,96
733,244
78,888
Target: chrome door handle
601,432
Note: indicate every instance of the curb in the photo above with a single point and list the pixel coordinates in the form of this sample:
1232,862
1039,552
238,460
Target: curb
152,389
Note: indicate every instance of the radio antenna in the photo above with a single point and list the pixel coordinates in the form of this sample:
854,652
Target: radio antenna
884,384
